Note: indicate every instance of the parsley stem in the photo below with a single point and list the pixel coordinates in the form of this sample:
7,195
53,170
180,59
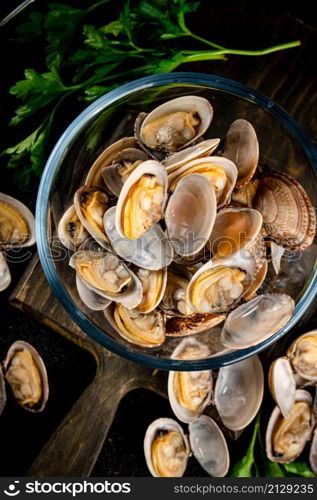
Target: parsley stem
203,40
206,55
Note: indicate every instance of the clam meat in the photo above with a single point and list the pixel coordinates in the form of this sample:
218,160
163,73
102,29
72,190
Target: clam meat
144,329
91,204
287,437
189,392
71,231
17,225
176,124
26,374
153,286
174,299
303,355
166,449
141,201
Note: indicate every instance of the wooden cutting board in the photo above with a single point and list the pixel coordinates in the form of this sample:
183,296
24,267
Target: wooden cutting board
72,450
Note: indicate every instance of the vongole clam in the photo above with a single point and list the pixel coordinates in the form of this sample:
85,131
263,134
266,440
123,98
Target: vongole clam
71,231
286,437
221,173
153,286
150,227
174,301
25,372
17,230
257,320
200,150
175,124
110,156
282,385
242,148
220,283
91,203
302,354
166,448
288,215
234,229
115,175
104,274
293,420
190,214
142,329
17,225
151,251
142,200
189,392
239,392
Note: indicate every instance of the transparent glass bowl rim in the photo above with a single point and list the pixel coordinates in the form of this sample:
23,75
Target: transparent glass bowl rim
177,78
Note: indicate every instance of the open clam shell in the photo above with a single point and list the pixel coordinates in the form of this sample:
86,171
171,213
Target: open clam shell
17,224
257,320
175,124
189,392
105,275
313,453
5,275
91,204
239,392
220,283
288,215
221,173
302,354
116,174
200,150
152,251
209,446
23,362
109,156
282,385
234,229
71,231
242,148
142,200
190,214
166,448
142,329
153,286
92,300
286,438
174,301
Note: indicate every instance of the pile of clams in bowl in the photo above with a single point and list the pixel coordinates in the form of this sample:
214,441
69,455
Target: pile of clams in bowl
171,232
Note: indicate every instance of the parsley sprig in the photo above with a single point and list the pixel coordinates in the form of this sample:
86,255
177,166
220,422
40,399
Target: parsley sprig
147,37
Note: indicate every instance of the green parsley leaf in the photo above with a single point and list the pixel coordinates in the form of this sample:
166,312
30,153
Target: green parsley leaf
246,467
61,23
36,90
31,29
299,468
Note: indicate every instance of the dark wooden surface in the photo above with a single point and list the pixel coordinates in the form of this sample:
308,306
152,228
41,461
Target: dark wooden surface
290,79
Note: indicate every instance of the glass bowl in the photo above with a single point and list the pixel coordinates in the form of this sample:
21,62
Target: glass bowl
283,146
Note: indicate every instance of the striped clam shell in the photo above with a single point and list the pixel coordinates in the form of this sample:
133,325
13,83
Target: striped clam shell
288,215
